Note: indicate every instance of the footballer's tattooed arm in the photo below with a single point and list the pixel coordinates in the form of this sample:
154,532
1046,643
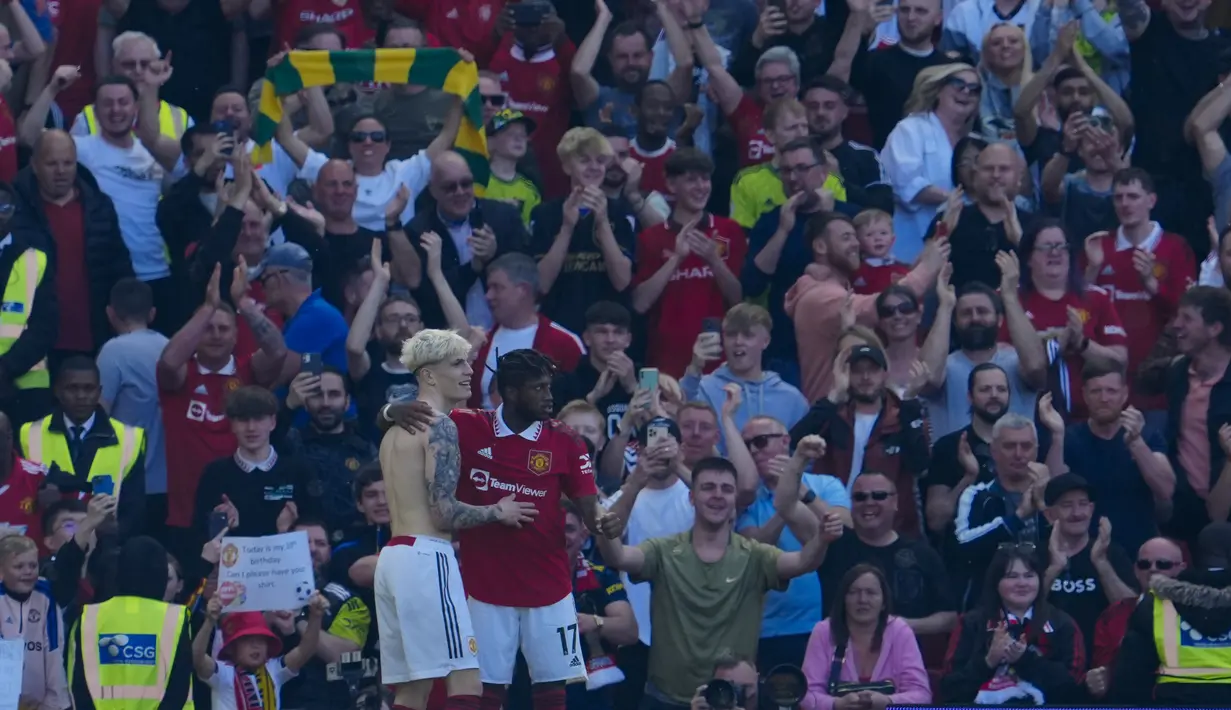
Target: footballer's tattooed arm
445,459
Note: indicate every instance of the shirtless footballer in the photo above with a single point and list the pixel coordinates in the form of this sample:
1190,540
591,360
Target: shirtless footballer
417,573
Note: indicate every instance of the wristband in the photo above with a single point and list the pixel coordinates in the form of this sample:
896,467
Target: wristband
942,229
808,497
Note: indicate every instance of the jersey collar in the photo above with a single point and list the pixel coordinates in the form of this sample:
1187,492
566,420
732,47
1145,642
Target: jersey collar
531,433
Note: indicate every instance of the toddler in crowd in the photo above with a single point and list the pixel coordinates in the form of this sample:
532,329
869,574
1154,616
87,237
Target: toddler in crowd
879,269
250,670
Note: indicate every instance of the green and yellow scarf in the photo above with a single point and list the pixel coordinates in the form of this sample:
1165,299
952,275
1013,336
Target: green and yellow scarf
437,68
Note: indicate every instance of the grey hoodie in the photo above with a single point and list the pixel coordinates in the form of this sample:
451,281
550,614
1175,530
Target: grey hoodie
770,396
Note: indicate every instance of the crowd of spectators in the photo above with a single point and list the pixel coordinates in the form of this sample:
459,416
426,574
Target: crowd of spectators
943,283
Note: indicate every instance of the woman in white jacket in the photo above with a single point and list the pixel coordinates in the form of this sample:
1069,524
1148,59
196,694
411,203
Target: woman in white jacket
918,154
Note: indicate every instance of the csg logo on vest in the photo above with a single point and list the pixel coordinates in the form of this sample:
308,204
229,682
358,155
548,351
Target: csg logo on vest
128,649
1195,639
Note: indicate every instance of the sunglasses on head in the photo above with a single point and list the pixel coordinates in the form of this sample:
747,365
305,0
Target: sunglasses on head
361,136
878,496
761,440
1161,565
904,308
968,87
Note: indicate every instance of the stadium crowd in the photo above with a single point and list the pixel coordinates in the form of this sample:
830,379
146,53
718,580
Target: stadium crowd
897,333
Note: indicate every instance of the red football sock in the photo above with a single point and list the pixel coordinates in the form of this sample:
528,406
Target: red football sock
462,702
493,697
548,696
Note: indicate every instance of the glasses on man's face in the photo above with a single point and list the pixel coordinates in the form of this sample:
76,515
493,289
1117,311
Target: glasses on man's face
497,100
864,496
905,308
760,441
1051,248
1160,565
361,136
963,86
782,80
799,170
455,186
267,275
396,320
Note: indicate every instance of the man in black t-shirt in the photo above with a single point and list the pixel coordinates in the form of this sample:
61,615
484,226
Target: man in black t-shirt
607,377
1084,576
353,562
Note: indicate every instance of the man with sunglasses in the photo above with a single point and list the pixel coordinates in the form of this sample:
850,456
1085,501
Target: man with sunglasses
1158,556
1085,574
922,594
791,614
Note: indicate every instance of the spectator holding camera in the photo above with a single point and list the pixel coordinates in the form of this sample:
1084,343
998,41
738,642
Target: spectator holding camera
733,677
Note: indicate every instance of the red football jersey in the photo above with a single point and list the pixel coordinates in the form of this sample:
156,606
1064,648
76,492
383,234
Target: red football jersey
1145,315
691,295
8,144
748,123
197,430
19,498
539,87
346,15
1102,325
872,278
653,168
76,23
526,566
469,24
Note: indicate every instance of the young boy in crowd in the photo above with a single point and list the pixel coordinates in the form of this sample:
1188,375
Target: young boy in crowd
250,670
874,228
585,419
508,136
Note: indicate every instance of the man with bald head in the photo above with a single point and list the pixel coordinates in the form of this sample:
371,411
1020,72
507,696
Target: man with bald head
479,231
997,175
54,199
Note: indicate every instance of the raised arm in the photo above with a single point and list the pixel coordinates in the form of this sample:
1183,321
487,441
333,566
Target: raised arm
30,45
358,362
36,116
269,361
165,149
1135,17
202,662
299,656
615,553
585,87
680,78
454,313
728,92
177,353
1202,126
444,469
935,349
319,130
1121,114
448,133
787,504
807,559
1024,117
1031,354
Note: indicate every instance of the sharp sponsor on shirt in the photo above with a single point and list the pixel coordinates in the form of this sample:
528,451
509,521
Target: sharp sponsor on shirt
128,649
696,272
199,412
484,481
1071,586
309,17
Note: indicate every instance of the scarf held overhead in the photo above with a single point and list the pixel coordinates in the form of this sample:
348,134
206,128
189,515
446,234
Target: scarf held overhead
438,68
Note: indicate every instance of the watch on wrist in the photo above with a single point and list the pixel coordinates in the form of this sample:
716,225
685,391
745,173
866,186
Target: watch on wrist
599,621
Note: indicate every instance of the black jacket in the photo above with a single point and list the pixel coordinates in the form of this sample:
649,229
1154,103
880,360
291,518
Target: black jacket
43,326
183,221
1190,515
216,245
106,256
1203,602
505,222
984,521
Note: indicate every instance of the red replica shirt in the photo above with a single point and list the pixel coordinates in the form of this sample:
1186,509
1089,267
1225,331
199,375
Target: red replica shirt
469,24
653,167
19,497
67,226
692,294
538,86
346,15
876,275
526,566
1145,315
8,144
748,123
1102,325
76,23
550,338
197,430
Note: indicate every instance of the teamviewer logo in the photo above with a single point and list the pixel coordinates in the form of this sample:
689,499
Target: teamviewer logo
128,649
480,478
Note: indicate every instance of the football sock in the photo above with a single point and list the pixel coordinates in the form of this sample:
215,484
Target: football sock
548,696
493,697
462,702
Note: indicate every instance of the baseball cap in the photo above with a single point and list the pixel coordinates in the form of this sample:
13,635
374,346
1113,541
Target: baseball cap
287,256
1065,482
507,117
868,352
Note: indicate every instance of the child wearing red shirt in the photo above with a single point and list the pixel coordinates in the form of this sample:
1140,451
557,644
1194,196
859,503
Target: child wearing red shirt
879,270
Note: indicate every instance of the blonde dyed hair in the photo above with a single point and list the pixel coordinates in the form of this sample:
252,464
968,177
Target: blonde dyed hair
1027,67
431,346
928,84
583,141
14,545
578,406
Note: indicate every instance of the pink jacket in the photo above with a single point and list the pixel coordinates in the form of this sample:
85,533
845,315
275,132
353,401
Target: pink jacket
814,303
899,661
38,622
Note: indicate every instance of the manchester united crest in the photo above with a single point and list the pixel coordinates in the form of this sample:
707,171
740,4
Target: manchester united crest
27,505
474,646
233,384
540,462
1160,270
724,246
352,463
547,83
230,555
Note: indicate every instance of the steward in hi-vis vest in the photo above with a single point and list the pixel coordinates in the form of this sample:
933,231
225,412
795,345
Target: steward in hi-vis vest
29,321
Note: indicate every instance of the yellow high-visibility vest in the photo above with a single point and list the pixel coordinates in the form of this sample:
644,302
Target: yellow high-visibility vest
127,651
24,279
172,120
39,443
1188,656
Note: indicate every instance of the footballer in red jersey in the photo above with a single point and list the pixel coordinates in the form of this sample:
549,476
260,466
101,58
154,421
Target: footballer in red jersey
519,581
1145,269
1075,324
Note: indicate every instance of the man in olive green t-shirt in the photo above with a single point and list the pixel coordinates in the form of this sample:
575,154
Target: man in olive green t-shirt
709,584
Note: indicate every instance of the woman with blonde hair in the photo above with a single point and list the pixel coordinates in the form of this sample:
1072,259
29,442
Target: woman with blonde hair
28,614
918,154
1005,67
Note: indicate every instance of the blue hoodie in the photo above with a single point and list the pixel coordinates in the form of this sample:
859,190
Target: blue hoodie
770,396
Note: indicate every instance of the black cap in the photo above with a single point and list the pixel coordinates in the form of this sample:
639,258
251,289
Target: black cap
1065,482
868,352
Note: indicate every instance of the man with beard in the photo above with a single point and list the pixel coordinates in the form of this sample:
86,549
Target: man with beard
329,445
977,317
868,427
825,99
654,108
622,182
629,56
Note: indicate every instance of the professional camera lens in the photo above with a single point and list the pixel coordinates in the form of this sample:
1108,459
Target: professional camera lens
719,694
785,686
